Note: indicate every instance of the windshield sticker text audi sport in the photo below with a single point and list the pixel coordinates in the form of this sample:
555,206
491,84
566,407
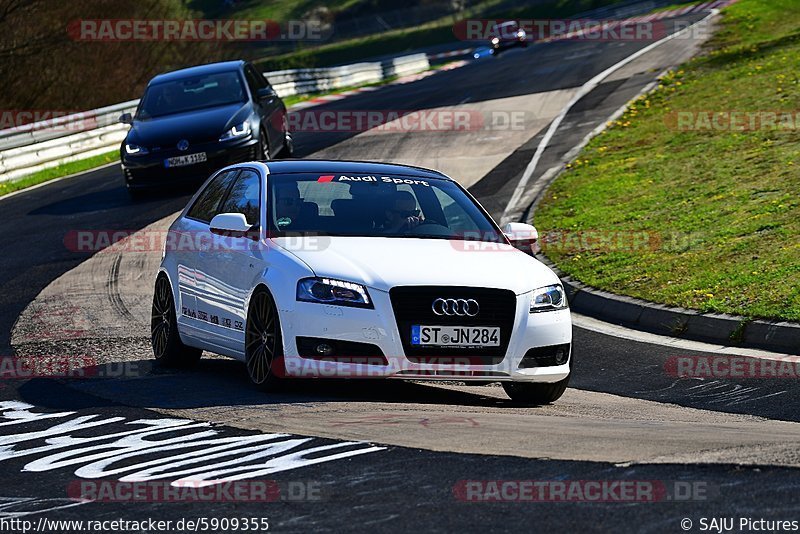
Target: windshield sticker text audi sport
372,179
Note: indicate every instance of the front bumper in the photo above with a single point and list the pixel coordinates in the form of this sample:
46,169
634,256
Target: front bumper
505,44
148,171
379,328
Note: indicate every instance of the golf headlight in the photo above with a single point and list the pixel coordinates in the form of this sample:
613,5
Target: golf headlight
135,150
238,131
521,34
548,299
495,40
334,292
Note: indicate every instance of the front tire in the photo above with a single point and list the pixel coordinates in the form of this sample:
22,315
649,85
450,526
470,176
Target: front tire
263,146
288,147
535,394
168,349
263,343
137,194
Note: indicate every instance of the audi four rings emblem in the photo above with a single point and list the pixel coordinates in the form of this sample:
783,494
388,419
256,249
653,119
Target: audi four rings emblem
460,307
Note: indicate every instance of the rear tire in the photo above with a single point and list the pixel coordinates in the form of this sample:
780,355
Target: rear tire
263,343
168,349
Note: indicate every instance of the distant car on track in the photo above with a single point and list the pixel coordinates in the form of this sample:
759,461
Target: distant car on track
482,51
193,121
507,35
351,269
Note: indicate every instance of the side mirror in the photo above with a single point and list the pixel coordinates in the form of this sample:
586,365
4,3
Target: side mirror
231,225
265,93
126,118
522,236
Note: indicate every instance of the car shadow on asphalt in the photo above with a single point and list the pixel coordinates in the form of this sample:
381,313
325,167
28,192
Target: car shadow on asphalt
221,382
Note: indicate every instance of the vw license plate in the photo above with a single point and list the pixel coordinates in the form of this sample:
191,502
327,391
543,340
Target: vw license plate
188,159
456,336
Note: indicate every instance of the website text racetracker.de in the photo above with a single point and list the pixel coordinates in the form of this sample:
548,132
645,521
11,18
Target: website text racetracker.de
197,524
600,491
532,30
563,241
404,120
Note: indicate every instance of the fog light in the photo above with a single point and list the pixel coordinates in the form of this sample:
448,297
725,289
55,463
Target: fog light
562,355
323,349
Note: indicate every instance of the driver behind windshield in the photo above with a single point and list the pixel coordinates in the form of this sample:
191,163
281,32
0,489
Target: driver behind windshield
402,214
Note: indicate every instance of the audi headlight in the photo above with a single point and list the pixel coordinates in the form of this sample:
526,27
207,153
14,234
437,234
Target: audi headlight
237,132
548,299
495,40
135,150
334,292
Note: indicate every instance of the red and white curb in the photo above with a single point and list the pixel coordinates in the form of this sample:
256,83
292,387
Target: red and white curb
454,53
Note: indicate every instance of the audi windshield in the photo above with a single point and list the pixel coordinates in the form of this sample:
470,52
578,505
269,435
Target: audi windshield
375,206
191,93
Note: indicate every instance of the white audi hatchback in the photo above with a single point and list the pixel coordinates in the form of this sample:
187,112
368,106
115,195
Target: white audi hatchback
352,269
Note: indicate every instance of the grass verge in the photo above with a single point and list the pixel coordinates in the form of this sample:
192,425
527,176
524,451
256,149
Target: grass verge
57,172
673,205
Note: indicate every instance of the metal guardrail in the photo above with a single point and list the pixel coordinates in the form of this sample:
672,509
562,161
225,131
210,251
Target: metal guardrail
45,144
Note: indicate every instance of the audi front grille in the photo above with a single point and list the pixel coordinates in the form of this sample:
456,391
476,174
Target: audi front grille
414,305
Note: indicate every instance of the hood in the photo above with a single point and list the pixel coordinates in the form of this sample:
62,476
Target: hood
382,263
198,126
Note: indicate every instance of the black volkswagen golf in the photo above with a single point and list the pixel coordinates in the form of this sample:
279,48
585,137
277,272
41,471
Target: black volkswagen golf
193,121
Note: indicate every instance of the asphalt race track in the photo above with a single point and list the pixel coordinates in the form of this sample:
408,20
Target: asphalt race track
357,455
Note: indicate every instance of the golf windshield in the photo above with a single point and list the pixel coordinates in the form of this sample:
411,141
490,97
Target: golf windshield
191,93
375,206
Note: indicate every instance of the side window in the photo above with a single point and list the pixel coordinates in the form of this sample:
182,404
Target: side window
207,204
455,216
254,80
245,197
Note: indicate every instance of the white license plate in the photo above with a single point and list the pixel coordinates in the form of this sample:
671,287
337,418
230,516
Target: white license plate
455,336
188,159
